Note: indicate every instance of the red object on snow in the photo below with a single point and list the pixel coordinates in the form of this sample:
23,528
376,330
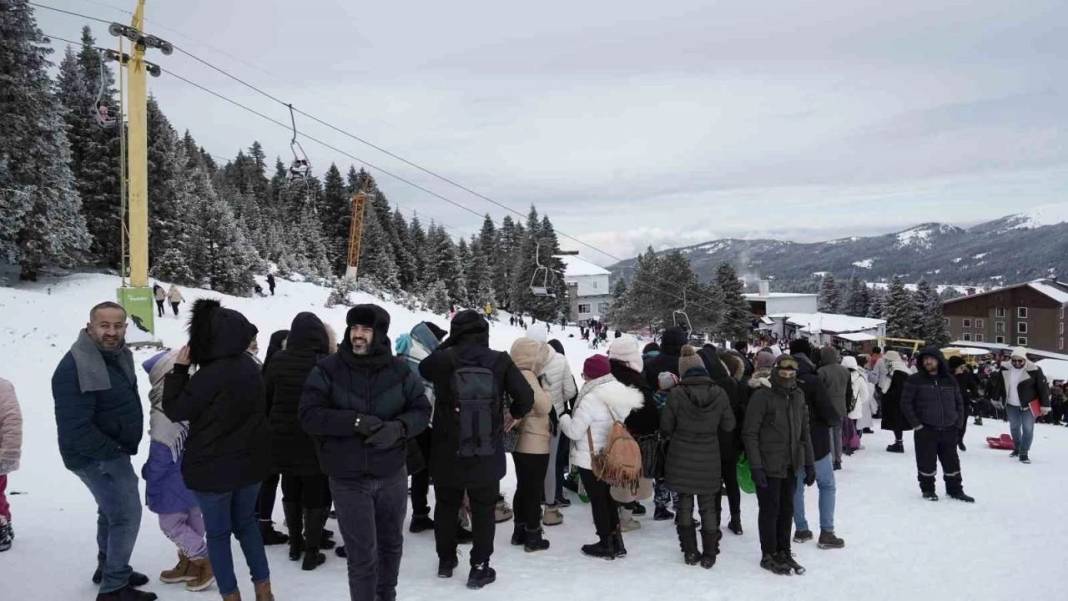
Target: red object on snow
1003,442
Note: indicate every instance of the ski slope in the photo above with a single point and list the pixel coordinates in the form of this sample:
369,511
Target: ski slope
1008,545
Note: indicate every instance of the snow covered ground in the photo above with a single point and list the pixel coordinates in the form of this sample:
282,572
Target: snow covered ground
1008,545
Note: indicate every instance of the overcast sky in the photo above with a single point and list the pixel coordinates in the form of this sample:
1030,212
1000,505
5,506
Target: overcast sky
637,123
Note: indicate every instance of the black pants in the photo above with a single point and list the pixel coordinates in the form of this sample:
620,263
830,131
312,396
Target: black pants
776,502
311,492
530,488
272,290
898,435
967,413
605,509
933,446
265,501
174,306
421,479
563,460
159,308
708,506
728,463
370,513
483,526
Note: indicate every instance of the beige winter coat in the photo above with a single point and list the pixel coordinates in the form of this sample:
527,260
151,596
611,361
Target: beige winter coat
174,295
531,357
10,429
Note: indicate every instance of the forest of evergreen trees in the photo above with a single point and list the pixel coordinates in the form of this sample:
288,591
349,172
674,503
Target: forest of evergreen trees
215,225
908,314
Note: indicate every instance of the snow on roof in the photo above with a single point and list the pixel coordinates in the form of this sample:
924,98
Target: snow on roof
830,322
1051,291
758,296
1054,369
857,337
575,267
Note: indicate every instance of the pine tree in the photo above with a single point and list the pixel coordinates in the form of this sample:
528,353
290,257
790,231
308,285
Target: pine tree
407,264
171,195
929,305
376,256
858,298
508,243
43,220
637,307
418,244
337,218
219,254
737,321
900,311
446,264
829,300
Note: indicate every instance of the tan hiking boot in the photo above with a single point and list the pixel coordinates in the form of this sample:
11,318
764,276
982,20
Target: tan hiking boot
204,576
179,573
263,591
552,516
234,596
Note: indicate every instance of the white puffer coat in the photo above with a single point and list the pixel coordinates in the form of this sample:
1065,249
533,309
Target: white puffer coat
559,382
10,429
600,402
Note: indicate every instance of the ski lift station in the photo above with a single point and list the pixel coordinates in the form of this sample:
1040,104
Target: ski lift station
589,289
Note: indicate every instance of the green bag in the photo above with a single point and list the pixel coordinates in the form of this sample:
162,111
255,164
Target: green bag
745,477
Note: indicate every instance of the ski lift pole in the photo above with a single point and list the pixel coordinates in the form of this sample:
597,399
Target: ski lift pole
137,157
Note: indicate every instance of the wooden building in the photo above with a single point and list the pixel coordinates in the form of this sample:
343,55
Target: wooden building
1031,314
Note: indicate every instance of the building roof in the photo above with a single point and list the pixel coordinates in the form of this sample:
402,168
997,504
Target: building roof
1054,369
830,322
857,337
1057,291
575,267
759,297
994,346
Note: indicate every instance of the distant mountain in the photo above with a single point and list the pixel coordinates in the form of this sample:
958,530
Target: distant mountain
1013,248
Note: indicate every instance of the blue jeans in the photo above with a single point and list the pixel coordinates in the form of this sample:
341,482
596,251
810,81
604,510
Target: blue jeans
233,512
113,484
1022,426
825,482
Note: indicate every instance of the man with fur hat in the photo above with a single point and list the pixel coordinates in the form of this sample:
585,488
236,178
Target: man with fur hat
933,405
362,405
99,422
470,382
1017,384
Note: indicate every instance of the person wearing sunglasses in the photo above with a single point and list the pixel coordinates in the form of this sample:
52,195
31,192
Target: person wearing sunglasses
1019,384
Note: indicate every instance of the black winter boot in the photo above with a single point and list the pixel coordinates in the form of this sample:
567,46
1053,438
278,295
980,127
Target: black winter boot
270,535
661,513
314,519
710,546
787,559
533,541
481,575
897,447
519,534
618,549
420,523
930,495
735,525
295,523
771,563
688,544
602,549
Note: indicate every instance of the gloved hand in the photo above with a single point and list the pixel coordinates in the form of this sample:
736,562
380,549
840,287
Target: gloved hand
366,425
760,477
810,475
389,434
1045,411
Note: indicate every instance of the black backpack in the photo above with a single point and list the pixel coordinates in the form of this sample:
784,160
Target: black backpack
478,408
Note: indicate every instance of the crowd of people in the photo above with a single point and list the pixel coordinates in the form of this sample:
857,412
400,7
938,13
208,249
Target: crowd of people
343,423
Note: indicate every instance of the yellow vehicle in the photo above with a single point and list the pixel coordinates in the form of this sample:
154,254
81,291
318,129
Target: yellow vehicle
909,345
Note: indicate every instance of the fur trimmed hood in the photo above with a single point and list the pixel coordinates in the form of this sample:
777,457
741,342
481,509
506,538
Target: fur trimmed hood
216,332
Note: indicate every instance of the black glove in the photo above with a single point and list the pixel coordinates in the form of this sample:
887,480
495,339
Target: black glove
389,434
367,425
760,477
810,475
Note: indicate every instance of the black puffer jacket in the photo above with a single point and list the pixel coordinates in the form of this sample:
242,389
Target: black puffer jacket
293,449
776,432
468,344
345,385
696,414
933,401
821,413
229,444
646,420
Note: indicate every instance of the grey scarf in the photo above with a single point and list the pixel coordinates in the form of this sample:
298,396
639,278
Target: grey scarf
89,360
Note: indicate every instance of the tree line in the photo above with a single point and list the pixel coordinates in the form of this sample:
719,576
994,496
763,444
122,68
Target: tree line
214,225
908,314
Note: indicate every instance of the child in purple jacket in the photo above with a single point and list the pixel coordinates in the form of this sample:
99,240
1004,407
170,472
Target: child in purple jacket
165,492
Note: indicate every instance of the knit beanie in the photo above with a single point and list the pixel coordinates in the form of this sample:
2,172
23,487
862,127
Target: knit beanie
689,359
625,349
666,380
1019,353
596,366
764,360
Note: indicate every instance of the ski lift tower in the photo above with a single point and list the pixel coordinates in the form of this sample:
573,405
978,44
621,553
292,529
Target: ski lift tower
355,234
135,295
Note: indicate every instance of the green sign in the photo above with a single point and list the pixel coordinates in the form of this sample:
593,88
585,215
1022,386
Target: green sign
140,305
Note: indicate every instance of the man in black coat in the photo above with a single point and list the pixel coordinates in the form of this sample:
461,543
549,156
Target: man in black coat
361,405
933,405
822,417
455,468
